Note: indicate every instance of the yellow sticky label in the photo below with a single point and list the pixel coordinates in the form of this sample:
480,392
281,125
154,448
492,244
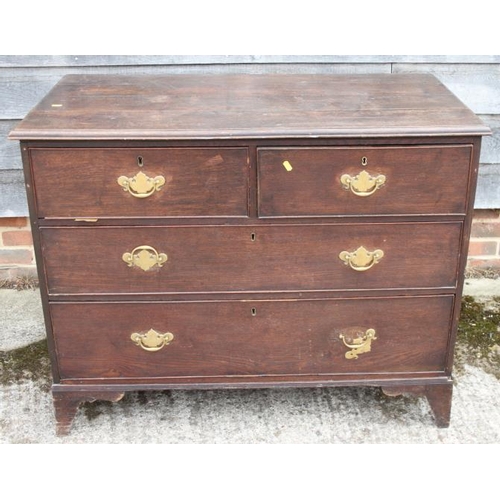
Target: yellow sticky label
287,165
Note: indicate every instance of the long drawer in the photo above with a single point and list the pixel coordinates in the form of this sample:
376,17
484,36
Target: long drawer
140,182
295,182
191,259
207,339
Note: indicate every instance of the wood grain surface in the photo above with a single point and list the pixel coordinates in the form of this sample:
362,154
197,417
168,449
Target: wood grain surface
198,182
244,259
252,338
228,106
419,180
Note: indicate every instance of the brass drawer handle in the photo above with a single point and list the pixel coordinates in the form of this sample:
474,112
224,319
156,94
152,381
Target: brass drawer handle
141,186
361,259
359,345
152,340
362,184
144,257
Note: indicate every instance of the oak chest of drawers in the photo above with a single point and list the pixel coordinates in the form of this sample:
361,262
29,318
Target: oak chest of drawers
250,231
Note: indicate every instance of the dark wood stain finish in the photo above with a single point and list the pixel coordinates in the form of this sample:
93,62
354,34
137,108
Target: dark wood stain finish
99,107
199,182
253,289
290,338
263,258
414,183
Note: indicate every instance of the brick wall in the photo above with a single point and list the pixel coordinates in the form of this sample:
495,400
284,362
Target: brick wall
17,259
16,248
484,248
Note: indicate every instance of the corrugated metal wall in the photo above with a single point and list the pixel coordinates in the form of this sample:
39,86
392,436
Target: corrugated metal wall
24,80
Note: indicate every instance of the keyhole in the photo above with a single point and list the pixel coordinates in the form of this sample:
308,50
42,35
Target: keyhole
252,237
140,161
254,311
364,161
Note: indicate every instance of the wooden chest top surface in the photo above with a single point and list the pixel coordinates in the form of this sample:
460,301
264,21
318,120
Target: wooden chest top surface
110,107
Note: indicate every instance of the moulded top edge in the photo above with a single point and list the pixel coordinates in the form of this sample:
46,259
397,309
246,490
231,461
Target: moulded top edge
103,135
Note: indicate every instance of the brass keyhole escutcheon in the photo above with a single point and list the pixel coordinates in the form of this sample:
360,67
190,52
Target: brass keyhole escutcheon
364,161
140,161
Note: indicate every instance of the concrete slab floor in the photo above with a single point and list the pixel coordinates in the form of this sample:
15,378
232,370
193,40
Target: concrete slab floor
481,288
21,318
322,415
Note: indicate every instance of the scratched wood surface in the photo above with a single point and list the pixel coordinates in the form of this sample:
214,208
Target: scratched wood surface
245,106
198,182
238,258
313,185
252,338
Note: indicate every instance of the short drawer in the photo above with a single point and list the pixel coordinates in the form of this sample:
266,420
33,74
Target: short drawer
205,259
206,339
407,180
145,182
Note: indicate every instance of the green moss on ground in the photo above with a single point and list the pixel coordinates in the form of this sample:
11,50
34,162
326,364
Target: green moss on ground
478,336
26,363
94,409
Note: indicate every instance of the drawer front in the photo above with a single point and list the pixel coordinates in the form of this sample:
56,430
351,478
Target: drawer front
190,259
203,339
363,181
148,182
